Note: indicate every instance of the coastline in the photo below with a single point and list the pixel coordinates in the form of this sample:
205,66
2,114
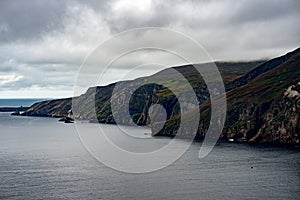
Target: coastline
197,139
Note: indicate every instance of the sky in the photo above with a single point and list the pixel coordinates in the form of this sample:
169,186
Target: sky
43,43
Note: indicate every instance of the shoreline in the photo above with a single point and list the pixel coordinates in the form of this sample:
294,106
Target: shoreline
197,138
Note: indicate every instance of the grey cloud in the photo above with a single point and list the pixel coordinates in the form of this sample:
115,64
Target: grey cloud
257,10
50,39
208,15
29,19
41,79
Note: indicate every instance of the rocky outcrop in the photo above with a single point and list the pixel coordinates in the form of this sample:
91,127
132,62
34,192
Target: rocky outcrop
16,113
66,120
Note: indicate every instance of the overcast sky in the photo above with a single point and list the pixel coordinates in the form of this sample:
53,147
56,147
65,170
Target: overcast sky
43,43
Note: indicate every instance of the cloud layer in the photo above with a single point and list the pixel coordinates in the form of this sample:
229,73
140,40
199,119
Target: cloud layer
43,43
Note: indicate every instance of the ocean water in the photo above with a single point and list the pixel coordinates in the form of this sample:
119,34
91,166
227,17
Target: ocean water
41,158
18,102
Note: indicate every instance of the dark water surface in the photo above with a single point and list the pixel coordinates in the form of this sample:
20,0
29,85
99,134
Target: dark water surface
43,159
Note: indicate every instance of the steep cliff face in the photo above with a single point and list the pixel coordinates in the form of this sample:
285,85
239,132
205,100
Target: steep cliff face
265,110
276,121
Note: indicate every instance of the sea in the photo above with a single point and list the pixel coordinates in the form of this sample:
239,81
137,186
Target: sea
41,158
19,102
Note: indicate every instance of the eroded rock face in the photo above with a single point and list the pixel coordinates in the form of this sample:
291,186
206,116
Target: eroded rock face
275,122
292,91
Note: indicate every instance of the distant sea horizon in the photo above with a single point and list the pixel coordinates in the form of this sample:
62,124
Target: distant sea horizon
17,102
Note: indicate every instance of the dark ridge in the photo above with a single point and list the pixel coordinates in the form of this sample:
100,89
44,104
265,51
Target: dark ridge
271,64
13,109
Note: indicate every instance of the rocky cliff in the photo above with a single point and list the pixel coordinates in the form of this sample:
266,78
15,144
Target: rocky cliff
265,110
263,101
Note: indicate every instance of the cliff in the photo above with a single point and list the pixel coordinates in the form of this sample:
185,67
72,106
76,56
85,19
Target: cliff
265,110
263,101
